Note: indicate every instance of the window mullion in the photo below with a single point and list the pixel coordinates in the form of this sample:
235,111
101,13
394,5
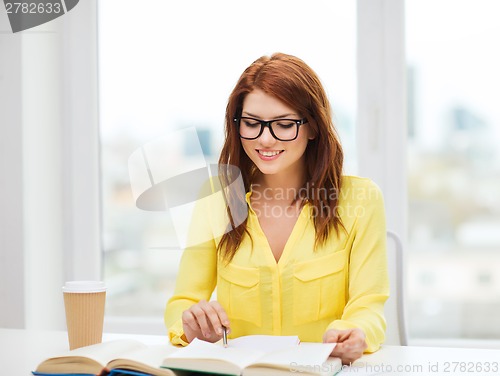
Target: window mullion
381,121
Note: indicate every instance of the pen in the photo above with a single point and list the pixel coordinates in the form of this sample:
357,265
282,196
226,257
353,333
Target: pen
224,336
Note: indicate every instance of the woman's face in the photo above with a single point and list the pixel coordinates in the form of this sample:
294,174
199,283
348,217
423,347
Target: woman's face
270,155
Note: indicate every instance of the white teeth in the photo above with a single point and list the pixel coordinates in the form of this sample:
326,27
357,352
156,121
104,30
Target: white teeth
269,153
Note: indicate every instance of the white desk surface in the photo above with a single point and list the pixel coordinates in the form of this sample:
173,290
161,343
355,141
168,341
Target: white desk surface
414,360
22,350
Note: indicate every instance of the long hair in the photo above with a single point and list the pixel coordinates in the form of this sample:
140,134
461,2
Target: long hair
294,83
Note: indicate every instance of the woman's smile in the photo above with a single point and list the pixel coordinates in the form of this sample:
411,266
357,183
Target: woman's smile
269,155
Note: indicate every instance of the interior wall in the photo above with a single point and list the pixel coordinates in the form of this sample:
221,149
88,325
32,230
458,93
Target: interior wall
11,179
49,166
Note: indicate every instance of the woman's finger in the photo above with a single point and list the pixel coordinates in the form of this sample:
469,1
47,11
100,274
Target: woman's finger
189,320
201,317
221,313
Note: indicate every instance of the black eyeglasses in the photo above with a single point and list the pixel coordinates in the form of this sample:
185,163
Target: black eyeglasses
281,129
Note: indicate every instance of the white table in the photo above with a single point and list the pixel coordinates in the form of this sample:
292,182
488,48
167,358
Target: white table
22,350
414,360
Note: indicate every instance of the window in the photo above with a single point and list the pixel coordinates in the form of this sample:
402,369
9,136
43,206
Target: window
454,168
174,68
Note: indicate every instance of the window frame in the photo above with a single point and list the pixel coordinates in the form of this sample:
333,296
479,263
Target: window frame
381,125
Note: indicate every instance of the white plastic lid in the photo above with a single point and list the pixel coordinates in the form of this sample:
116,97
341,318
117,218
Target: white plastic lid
84,286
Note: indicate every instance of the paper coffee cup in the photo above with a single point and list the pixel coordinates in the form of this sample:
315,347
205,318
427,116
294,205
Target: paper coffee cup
84,303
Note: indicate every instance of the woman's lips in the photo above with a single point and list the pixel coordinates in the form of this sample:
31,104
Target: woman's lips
269,155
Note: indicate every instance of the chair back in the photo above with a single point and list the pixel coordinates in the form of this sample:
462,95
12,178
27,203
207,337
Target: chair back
394,307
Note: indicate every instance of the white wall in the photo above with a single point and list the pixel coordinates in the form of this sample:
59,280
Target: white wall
49,166
11,180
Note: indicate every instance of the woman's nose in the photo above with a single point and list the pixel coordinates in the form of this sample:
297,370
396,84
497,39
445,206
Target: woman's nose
266,138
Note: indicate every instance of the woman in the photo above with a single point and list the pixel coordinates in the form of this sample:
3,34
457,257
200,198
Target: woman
309,259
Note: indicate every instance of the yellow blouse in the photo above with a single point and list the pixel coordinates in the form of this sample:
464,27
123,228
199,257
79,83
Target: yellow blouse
342,284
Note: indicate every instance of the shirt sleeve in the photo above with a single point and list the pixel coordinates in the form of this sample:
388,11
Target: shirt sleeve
197,273
368,287
196,281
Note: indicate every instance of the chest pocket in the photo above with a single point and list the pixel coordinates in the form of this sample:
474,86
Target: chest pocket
319,288
238,291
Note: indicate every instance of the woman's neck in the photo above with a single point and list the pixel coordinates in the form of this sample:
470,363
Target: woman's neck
280,187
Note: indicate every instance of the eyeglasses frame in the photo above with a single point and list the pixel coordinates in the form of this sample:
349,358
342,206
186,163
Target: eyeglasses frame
267,123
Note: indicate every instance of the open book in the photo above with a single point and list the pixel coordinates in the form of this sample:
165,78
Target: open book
120,354
256,355
248,355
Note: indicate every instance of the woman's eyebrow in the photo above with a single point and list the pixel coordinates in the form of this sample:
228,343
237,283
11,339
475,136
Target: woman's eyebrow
284,116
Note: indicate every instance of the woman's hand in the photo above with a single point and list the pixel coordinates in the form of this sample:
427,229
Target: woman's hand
204,321
350,343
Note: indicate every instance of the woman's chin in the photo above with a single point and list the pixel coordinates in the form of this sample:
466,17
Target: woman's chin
268,170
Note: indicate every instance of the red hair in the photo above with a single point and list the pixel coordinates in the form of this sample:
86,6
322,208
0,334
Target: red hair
294,83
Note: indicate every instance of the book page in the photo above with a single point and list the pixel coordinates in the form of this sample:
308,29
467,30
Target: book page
206,351
101,353
263,343
147,360
304,357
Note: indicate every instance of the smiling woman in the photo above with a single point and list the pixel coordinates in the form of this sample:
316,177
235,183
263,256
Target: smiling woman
298,268
179,74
